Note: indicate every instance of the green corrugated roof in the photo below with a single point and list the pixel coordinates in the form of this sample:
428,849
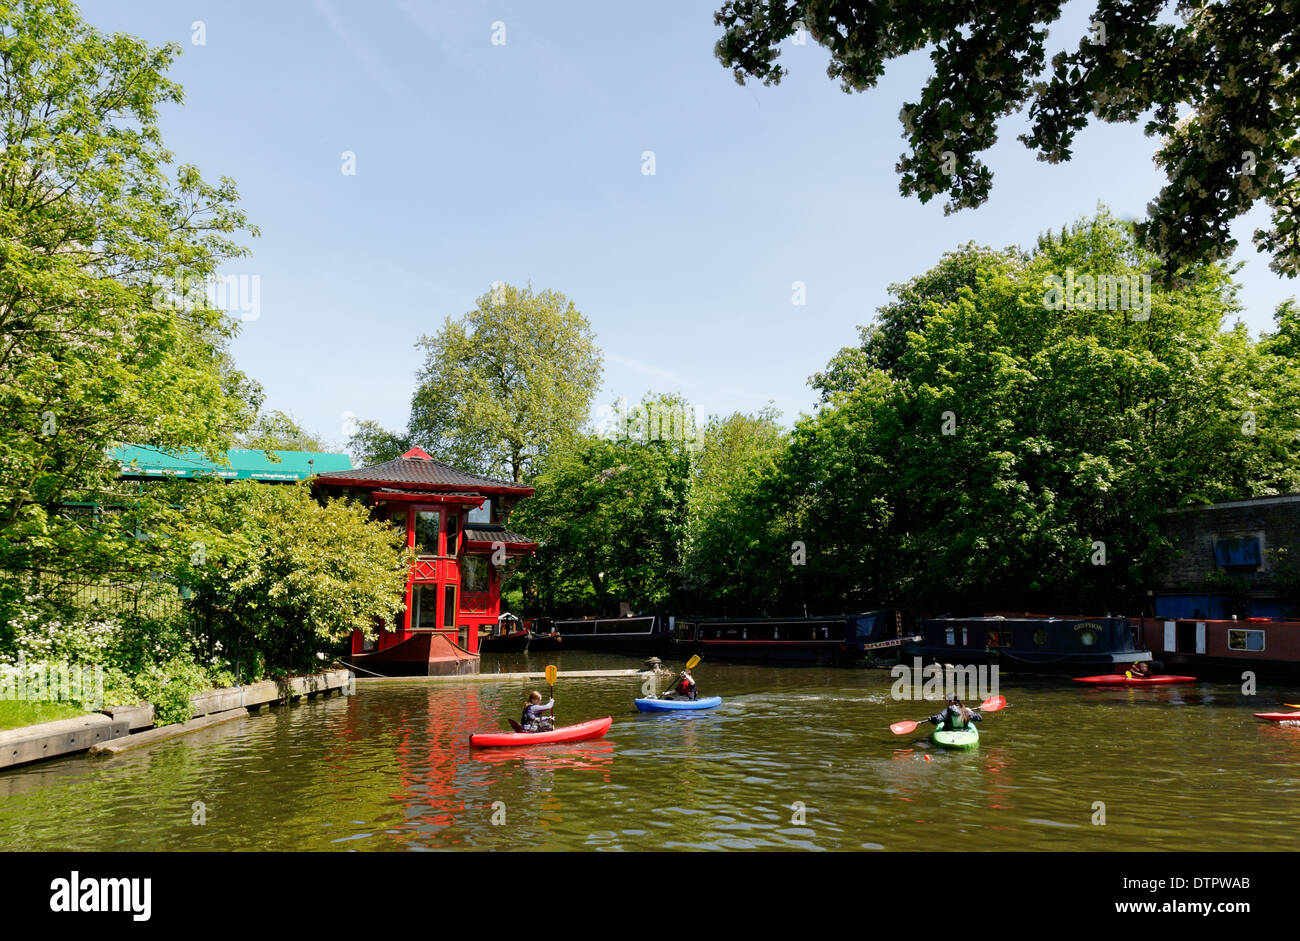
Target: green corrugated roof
146,462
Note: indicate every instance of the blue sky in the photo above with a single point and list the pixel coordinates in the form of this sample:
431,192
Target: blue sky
523,162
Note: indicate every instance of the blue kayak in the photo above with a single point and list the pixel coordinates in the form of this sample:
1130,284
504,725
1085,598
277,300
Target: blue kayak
674,705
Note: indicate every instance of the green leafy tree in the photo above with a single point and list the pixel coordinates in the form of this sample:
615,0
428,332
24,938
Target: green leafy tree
278,431
105,333
502,386
729,529
885,341
1034,428
610,514
278,577
372,443
1219,88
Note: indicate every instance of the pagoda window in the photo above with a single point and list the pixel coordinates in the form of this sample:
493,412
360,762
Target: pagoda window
452,534
474,573
449,607
425,601
427,526
482,514
397,517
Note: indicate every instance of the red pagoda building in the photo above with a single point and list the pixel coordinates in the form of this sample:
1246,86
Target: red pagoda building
455,522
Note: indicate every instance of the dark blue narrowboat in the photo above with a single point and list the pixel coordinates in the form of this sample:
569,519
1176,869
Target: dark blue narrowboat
631,635
1032,643
810,640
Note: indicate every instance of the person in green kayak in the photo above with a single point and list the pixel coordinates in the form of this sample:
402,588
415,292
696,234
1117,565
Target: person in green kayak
533,720
955,716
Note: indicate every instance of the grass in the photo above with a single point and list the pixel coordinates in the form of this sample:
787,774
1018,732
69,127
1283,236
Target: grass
15,713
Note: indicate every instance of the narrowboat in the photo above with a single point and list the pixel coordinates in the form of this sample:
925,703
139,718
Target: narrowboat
643,635
808,640
508,635
1201,646
1032,643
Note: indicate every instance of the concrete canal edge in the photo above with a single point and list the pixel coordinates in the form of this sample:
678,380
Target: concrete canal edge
166,732
63,737
116,728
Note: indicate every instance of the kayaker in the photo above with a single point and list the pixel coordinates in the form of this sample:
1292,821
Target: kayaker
533,720
955,715
684,688
1140,669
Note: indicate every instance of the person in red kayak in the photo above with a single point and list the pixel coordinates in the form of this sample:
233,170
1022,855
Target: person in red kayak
1139,670
955,716
533,720
684,688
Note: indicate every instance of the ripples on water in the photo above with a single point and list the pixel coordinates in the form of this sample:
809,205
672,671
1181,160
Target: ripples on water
794,759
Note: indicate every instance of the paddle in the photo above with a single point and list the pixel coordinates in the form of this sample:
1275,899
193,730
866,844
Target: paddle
992,704
551,673
1291,705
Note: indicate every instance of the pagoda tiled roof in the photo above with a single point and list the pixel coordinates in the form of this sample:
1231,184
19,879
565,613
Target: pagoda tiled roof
493,532
415,470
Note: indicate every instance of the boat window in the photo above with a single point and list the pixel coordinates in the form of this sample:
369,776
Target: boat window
999,638
1245,640
951,634
426,531
1040,637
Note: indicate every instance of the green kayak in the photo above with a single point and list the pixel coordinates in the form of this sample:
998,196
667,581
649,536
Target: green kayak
957,738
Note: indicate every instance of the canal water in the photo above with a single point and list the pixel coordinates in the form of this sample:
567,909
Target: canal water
794,759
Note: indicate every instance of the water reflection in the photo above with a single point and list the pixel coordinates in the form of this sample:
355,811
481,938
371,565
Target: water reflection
793,759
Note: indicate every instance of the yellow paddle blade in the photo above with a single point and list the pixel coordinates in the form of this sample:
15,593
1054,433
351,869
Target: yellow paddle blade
551,672
692,663
1292,705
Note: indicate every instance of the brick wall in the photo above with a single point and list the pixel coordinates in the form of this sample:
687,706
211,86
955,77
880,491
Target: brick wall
1276,520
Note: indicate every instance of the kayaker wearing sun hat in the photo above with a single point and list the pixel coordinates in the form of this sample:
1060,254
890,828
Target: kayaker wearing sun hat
533,720
955,715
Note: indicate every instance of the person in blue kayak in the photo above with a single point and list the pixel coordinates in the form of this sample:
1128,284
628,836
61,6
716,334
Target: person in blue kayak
684,688
534,720
955,716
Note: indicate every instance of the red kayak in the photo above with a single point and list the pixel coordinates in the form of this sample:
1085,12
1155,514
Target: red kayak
1119,679
1279,716
596,728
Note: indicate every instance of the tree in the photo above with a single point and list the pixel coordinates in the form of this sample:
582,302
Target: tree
106,336
1020,452
502,386
610,515
277,431
372,443
278,576
1220,90
727,532
885,341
